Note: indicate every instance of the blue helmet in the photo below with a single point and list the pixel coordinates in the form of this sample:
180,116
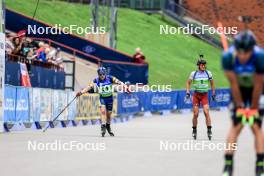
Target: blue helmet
101,71
245,41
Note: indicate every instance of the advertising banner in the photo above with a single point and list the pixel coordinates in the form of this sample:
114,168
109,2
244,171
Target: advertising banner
45,104
72,107
2,72
35,104
88,107
31,116
114,112
223,98
157,101
182,103
59,100
22,104
131,103
10,104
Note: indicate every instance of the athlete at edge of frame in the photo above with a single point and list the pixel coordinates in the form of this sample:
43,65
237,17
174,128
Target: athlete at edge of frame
243,65
104,84
200,80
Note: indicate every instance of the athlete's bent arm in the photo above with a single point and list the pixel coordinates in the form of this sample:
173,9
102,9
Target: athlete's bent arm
85,90
117,81
258,82
258,87
231,76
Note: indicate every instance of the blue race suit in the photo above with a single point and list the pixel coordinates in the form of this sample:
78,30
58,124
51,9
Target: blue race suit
245,73
105,91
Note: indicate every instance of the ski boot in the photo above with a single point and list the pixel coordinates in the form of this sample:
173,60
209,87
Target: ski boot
108,128
103,129
194,133
228,170
259,169
209,133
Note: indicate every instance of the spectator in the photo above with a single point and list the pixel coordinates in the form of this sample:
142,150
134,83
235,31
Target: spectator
30,50
9,44
59,59
46,45
30,55
40,49
17,46
138,56
25,48
52,55
43,55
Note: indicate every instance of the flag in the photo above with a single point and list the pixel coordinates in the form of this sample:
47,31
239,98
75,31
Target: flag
21,33
25,81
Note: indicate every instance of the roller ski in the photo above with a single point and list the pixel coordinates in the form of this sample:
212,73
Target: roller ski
103,130
108,128
194,133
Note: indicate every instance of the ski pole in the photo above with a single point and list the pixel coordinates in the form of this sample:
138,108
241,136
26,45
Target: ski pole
60,113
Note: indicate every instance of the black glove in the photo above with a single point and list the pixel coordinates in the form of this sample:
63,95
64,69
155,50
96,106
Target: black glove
78,94
187,96
214,97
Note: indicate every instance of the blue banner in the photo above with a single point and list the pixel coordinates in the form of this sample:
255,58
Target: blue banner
223,98
130,103
59,80
146,101
181,102
47,78
40,77
10,104
35,104
12,73
158,101
22,104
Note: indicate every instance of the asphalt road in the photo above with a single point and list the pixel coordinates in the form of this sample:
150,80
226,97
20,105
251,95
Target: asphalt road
143,146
